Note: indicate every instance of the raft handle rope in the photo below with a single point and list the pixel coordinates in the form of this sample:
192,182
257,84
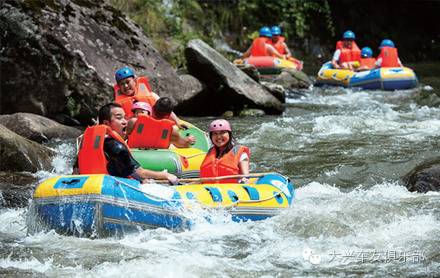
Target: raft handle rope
233,204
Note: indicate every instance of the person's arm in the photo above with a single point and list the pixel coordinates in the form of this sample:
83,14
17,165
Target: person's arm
150,174
130,126
272,51
335,59
247,53
400,62
378,62
288,53
181,142
243,165
176,119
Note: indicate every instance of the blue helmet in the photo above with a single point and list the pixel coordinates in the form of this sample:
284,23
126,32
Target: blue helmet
366,52
123,73
348,35
275,30
386,42
265,32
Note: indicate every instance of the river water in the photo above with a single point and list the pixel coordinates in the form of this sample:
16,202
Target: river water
344,150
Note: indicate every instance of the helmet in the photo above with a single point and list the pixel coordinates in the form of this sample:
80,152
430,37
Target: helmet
219,125
123,73
386,42
275,30
141,105
265,32
366,52
348,35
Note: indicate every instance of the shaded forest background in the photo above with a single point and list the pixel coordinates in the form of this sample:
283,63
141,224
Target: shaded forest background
311,27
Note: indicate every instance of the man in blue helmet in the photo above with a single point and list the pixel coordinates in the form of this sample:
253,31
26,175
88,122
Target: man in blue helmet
367,61
279,44
262,46
347,54
388,56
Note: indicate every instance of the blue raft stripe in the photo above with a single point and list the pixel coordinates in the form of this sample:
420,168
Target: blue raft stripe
70,182
215,194
253,192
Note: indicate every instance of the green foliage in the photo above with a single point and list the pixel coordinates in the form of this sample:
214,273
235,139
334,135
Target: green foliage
73,107
172,23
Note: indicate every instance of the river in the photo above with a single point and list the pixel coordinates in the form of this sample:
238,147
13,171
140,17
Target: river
345,151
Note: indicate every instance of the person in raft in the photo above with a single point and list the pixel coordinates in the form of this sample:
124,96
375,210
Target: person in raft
225,157
388,56
347,53
262,46
130,89
103,150
278,42
150,134
367,61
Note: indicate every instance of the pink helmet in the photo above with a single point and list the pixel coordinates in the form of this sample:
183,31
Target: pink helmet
141,105
220,125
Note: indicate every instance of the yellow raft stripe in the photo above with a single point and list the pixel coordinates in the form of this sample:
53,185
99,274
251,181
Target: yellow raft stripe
202,195
92,185
195,158
404,73
336,75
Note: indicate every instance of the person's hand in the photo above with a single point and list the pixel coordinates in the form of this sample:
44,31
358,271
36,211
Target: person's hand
191,140
243,180
171,178
183,126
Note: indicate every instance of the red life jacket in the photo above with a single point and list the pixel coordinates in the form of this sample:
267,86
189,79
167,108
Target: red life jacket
348,54
91,156
369,63
150,133
225,166
390,57
258,47
142,93
279,45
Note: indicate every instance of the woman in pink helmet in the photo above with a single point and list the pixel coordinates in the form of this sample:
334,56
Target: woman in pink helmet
138,108
226,157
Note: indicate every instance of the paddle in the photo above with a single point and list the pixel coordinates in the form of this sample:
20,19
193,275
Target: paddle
192,180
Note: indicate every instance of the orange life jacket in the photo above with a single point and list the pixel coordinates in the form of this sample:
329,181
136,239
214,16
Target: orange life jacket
368,63
150,133
279,46
348,54
91,156
258,47
225,166
390,57
142,92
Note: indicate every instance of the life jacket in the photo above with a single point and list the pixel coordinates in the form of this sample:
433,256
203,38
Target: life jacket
368,63
258,47
225,166
348,54
142,92
279,45
91,156
150,133
390,57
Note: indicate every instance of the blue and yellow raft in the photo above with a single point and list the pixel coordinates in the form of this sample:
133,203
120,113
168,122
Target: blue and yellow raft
375,79
100,205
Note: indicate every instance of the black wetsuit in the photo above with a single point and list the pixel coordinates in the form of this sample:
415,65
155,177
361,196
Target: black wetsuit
120,162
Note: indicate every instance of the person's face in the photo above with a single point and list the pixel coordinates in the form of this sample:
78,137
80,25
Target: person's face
138,112
348,43
127,86
117,122
220,138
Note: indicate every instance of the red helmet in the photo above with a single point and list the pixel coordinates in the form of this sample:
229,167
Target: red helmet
141,105
219,125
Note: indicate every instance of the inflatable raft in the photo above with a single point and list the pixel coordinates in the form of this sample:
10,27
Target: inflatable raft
268,65
375,79
101,205
183,162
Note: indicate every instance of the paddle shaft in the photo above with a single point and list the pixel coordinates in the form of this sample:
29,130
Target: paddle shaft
255,175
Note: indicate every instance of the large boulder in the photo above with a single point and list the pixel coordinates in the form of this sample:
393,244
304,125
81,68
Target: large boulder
424,178
59,57
227,87
20,154
37,128
16,189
